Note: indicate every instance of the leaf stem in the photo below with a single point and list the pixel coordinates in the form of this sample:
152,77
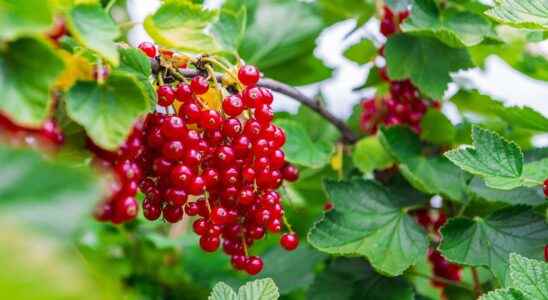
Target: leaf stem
109,5
477,284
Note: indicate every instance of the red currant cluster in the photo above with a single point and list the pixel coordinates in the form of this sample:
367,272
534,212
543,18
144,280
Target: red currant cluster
222,166
432,220
545,188
403,104
49,135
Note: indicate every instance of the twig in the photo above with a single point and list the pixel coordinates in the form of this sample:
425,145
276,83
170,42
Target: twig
477,284
347,135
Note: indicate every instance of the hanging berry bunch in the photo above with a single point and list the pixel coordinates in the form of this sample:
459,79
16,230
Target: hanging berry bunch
48,136
403,104
220,162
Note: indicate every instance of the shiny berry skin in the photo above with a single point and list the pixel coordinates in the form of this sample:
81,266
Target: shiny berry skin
545,188
219,216
175,197
190,112
173,128
252,96
274,226
388,27
148,48
173,150
232,127
181,176
253,265
184,92
210,119
546,253
127,170
173,214
290,173
200,226
264,114
166,95
225,156
211,177
248,75
238,262
246,196
289,241
196,186
233,105
192,208
162,166
199,85
267,97
151,211
126,208
209,243
277,159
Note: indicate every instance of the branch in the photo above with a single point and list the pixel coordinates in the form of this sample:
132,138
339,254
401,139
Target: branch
348,136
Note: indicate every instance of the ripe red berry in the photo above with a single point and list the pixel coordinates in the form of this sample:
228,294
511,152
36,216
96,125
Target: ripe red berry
200,226
388,27
126,208
233,105
166,95
151,211
210,119
252,96
173,150
148,48
546,253
175,197
173,214
238,262
209,243
199,85
248,75
290,173
232,127
254,265
264,114
184,92
173,128
190,112
219,216
181,176
289,241
196,186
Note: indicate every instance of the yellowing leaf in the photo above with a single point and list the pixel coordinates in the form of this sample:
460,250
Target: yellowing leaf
77,68
212,99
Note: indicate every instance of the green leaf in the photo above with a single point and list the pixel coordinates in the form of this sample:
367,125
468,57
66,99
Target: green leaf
520,195
454,28
369,154
291,270
273,41
93,28
370,221
529,276
504,294
23,18
499,161
300,149
182,25
530,14
489,241
436,128
426,61
229,30
261,289
361,52
108,111
398,5
432,175
338,10
27,83
27,177
311,70
347,279
133,61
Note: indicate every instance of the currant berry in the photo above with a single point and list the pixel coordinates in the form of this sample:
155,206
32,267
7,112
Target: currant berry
148,48
209,243
210,119
252,96
151,211
166,95
238,262
196,186
253,265
200,226
289,241
264,114
174,128
173,150
173,214
184,92
199,85
176,197
290,173
233,105
248,75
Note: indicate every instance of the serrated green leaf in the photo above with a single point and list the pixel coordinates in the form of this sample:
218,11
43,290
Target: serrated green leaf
133,60
182,25
347,279
291,270
371,221
454,28
229,30
436,128
311,70
520,195
426,61
19,18
93,28
504,294
524,117
300,149
27,177
529,276
108,111
338,10
361,52
261,289
489,241
531,14
369,154
432,175
27,83
498,161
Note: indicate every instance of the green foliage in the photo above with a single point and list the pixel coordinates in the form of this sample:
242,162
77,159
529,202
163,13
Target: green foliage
94,29
499,161
454,28
23,18
369,155
26,84
261,289
531,14
361,52
436,128
426,61
489,241
369,220
108,111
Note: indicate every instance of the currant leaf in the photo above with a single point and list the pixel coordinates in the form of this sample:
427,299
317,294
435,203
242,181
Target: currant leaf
369,155
530,14
261,289
22,18
370,221
529,276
